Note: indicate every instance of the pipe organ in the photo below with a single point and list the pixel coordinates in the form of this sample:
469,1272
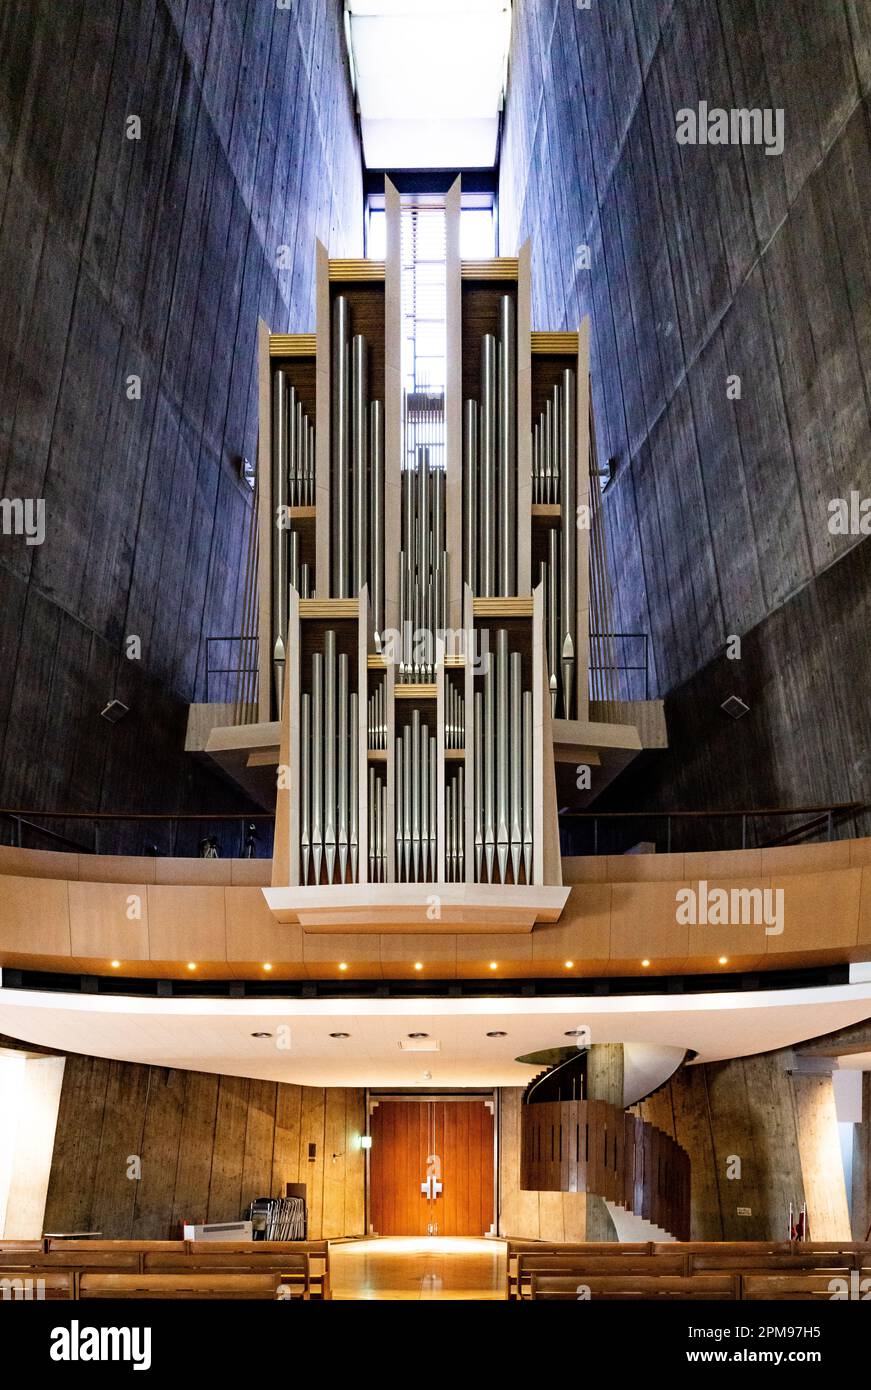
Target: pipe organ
423,601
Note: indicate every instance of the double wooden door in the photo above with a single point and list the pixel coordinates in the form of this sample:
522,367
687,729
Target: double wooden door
431,1168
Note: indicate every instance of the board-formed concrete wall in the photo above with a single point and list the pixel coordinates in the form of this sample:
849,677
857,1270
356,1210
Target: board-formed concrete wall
165,169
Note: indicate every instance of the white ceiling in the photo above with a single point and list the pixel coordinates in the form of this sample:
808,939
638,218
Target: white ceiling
215,1034
430,77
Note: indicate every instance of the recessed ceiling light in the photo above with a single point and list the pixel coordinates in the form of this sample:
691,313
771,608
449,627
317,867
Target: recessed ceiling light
343,965
116,965
570,965
192,965
497,1033
645,963
261,1035
266,965
418,965
573,1032
418,1035
724,960
340,1035
494,965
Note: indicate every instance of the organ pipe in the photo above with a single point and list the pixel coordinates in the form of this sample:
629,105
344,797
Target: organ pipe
329,770
503,769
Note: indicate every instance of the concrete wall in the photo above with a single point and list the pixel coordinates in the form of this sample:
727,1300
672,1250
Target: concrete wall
150,257
709,262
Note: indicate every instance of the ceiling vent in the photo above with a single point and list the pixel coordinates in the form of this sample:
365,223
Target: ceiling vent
420,1044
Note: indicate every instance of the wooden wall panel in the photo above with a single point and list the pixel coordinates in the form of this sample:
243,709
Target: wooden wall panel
208,1146
152,257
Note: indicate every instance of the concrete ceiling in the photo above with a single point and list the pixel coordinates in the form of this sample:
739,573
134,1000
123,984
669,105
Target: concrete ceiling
215,1034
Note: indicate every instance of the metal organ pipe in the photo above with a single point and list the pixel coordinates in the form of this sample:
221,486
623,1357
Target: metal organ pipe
503,770
376,555
340,372
568,532
507,398
359,462
487,470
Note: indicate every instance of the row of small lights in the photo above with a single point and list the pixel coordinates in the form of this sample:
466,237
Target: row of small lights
418,964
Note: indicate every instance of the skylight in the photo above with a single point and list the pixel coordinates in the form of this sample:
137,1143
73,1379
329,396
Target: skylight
430,78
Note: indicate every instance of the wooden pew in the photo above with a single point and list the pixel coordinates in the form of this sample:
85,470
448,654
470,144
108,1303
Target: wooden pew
794,1260
515,1248
317,1250
798,1285
196,1285
121,1262
36,1285
579,1266
634,1286
294,1268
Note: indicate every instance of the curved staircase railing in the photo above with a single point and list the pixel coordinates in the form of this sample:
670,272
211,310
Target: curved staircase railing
591,1146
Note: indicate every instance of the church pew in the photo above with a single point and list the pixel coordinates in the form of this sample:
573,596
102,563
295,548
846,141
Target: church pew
637,1287
294,1268
317,1250
47,1285
797,1285
197,1285
120,1262
517,1247
579,1265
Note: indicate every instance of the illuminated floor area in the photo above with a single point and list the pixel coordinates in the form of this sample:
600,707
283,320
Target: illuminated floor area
418,1268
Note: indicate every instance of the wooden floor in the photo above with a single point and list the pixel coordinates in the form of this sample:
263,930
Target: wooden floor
418,1268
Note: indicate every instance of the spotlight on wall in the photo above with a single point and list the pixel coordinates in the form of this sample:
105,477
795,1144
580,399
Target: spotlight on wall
114,712
365,1141
735,707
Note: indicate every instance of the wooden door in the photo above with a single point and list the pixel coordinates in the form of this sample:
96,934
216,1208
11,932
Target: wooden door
431,1168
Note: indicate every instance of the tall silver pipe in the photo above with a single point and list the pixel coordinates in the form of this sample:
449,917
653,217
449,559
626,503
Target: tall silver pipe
354,788
399,816
490,768
317,763
415,793
507,445
294,435
330,753
424,518
373,843
461,825
376,558
527,785
433,808
423,758
305,786
470,494
487,467
553,625
516,755
341,445
478,767
279,536
360,460
407,824
450,828
502,754
342,773
568,531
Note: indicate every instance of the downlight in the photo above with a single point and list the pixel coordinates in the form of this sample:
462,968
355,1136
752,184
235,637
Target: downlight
261,1035
340,1035
497,1033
